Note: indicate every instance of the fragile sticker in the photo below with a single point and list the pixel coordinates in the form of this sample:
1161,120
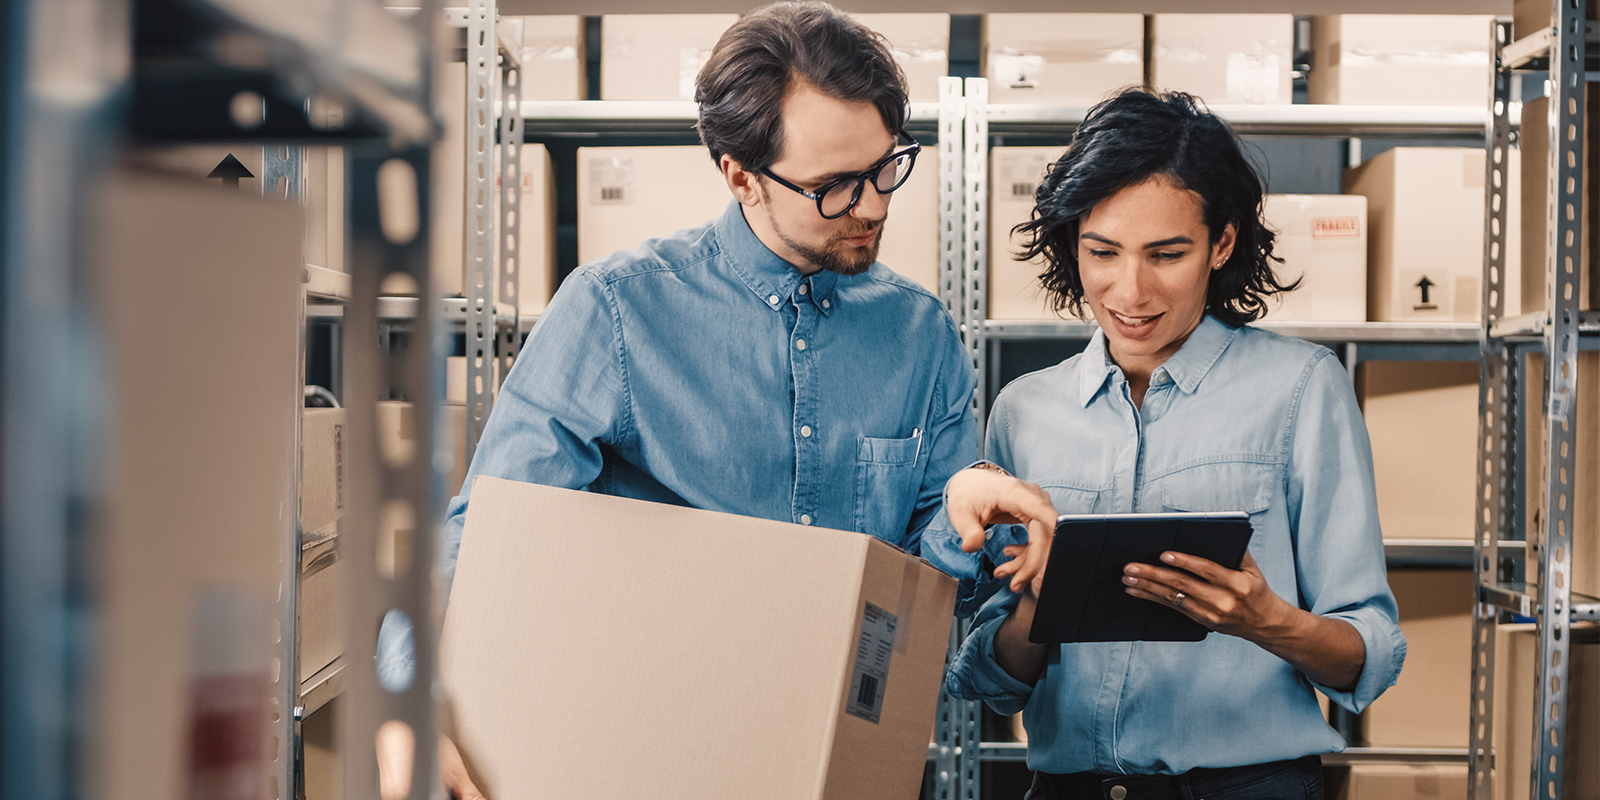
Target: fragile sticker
1335,227
871,674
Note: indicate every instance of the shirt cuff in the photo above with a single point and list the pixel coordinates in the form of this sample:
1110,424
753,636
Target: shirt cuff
1386,653
975,673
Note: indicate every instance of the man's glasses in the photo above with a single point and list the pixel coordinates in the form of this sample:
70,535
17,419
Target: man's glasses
835,199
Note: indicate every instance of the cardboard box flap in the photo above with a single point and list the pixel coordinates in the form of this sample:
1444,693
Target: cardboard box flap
709,653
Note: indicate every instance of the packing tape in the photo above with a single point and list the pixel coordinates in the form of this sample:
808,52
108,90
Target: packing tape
907,605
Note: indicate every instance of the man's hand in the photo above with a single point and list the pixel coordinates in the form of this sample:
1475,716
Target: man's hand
978,498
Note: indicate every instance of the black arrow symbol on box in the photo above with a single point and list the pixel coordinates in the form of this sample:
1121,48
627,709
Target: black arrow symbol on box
230,171
1425,285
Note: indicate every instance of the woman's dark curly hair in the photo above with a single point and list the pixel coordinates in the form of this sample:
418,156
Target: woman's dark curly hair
1128,139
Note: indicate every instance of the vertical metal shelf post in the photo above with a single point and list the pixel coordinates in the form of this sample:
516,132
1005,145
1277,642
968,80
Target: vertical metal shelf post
483,45
1497,423
510,202
1564,220
976,190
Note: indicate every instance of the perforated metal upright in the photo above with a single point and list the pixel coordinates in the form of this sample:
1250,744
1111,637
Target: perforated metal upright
976,200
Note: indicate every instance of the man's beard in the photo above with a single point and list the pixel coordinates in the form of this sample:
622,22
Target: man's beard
836,255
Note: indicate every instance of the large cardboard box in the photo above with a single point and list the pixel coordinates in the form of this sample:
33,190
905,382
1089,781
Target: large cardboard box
1322,239
1585,491
910,243
553,65
656,56
536,232
629,194
323,768
1400,59
1224,59
921,46
1425,212
1014,289
808,668
1428,706
325,207
1068,59
1398,781
321,468
321,606
1535,196
397,437
1515,676
1422,417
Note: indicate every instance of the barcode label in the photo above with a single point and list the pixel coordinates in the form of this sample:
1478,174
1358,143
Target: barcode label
1022,189
871,674
612,194
613,181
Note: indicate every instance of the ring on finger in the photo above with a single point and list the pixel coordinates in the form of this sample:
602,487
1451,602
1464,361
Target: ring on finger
1177,599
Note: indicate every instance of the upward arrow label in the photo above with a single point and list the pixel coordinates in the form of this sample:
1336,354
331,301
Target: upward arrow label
1425,285
230,171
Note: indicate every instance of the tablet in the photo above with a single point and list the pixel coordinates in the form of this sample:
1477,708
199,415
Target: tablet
1082,598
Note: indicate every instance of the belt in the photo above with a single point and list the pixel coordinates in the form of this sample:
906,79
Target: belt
1199,782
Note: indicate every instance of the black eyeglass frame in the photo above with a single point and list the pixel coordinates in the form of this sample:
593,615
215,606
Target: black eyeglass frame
864,178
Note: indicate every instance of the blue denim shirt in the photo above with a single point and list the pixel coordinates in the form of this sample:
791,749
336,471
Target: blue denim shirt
1238,420
701,369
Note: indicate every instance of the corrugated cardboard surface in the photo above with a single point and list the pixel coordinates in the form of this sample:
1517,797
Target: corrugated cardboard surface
321,467
1422,417
713,658
553,58
1400,59
656,56
1014,289
1425,220
1534,189
196,507
321,607
921,46
1072,59
1322,239
629,194
1224,59
1585,492
1515,676
1428,706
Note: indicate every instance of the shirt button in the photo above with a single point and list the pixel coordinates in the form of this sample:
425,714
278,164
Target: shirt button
805,519
799,344
805,431
772,301
825,304
804,289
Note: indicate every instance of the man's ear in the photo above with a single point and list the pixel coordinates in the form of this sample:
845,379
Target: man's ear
740,181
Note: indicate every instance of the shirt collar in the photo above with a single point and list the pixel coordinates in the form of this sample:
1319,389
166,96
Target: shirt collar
1187,368
772,279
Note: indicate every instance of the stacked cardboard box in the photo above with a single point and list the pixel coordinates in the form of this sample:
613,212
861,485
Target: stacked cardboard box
1322,239
1014,176
1422,417
1428,706
1066,59
1425,212
829,645
1400,59
321,631
910,243
1584,496
552,58
656,56
1224,59
1535,195
1515,676
629,194
921,46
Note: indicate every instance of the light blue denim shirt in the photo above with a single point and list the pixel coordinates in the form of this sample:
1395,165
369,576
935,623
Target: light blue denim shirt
1238,420
701,369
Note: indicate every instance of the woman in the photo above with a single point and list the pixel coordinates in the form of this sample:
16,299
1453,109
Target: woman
1152,219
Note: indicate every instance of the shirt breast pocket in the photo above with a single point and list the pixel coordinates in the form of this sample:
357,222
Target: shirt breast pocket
1223,486
886,485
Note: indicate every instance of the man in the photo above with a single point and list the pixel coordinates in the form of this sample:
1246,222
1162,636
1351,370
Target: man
764,363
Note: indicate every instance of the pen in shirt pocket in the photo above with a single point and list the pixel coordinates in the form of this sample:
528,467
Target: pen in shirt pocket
917,434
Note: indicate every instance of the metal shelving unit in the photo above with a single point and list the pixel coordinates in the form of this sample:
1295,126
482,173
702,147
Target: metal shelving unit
1538,584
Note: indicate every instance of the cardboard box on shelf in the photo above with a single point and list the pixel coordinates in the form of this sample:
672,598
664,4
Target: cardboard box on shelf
321,467
447,221
1224,59
830,645
321,606
398,441
921,46
1067,59
1529,16
323,767
1422,417
1428,706
629,194
1585,494
1515,677
325,207
656,56
910,242
1014,289
553,65
535,243
1400,59
1322,239
1397,781
1535,195
1425,210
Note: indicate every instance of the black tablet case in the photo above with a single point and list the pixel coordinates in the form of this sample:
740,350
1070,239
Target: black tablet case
1083,598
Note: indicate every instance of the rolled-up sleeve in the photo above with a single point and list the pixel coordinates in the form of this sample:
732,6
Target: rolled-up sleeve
974,674
1333,508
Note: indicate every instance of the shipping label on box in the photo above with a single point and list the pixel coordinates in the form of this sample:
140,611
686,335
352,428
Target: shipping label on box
1014,288
656,56
1422,418
812,662
1072,59
1224,58
1400,59
629,194
1322,240
921,46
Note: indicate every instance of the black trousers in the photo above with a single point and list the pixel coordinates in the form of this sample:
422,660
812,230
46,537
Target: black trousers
1279,780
